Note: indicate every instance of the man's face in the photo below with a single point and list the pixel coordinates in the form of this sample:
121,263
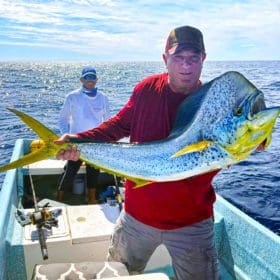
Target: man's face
184,69
89,82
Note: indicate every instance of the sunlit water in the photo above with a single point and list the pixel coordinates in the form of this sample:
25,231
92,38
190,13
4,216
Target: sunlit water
39,89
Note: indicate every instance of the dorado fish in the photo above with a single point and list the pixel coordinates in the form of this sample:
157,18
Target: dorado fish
219,125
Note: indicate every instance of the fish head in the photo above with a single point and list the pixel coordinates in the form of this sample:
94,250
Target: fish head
248,125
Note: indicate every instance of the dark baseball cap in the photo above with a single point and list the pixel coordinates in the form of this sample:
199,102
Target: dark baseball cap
184,38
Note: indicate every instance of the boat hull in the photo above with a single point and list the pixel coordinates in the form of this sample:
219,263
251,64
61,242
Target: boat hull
246,249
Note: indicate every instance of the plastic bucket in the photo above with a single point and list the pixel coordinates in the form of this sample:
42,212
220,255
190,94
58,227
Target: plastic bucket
78,186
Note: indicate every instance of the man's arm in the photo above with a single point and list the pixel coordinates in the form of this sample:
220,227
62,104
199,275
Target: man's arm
109,131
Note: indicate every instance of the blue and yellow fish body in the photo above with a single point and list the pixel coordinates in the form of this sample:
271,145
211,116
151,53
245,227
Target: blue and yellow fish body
217,126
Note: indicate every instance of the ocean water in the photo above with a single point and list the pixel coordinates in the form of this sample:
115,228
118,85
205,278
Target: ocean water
39,89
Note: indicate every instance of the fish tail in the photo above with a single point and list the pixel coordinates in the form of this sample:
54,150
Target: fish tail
46,149
25,160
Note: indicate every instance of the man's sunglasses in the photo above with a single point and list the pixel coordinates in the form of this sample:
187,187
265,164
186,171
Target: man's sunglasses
89,77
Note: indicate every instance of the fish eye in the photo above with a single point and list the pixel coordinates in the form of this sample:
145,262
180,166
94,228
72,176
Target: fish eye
238,112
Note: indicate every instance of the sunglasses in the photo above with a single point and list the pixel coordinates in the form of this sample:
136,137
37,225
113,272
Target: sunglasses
194,59
89,77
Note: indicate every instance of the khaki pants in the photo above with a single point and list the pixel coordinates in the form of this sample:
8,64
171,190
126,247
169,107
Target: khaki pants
191,248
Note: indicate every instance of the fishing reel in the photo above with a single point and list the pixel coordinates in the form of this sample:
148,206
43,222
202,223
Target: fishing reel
42,217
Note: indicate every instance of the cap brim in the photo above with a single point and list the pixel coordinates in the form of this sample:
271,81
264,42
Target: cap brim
89,73
183,47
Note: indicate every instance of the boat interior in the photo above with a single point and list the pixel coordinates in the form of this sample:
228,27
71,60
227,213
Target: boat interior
80,233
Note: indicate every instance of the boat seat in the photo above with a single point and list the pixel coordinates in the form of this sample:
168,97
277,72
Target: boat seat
82,270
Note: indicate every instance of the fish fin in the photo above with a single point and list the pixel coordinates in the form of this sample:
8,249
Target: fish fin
139,183
42,131
48,149
25,160
196,147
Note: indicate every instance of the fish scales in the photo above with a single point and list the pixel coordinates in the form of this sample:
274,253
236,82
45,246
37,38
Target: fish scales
219,125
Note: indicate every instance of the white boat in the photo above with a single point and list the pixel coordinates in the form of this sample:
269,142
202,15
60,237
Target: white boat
246,249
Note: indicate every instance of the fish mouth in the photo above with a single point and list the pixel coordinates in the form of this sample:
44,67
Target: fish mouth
264,118
253,132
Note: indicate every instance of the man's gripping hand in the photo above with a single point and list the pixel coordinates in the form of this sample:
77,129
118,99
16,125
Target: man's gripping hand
70,153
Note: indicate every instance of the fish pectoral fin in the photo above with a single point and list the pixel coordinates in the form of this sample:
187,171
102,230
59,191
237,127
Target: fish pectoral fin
196,147
139,183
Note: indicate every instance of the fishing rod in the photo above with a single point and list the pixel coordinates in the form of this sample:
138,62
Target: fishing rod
42,217
118,193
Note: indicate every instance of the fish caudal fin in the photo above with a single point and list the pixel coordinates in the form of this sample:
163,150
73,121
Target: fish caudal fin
46,149
25,160
42,131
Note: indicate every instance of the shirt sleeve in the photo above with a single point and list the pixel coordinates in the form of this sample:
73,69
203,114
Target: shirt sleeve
113,129
64,117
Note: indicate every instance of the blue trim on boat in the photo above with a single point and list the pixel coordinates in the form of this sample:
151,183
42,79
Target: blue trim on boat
8,205
246,249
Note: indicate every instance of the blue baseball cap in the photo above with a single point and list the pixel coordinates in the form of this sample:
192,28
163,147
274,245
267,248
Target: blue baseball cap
89,70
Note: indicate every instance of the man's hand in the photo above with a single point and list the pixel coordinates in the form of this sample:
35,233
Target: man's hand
65,138
70,153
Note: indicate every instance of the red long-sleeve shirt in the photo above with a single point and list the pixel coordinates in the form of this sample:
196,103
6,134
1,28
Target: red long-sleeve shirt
148,116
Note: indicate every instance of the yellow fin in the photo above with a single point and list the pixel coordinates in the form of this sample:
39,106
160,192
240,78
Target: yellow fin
42,131
140,183
46,149
25,160
196,147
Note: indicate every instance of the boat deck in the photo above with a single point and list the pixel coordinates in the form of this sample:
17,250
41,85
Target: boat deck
246,249
85,233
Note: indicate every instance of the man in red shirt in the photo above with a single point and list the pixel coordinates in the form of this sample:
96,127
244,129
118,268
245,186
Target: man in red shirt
177,214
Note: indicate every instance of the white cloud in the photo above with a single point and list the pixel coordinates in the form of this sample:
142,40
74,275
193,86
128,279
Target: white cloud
138,29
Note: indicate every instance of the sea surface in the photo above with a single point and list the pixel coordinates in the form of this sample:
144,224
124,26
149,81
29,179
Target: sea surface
39,89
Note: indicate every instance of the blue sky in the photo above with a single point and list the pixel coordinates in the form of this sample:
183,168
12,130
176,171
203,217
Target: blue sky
125,30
